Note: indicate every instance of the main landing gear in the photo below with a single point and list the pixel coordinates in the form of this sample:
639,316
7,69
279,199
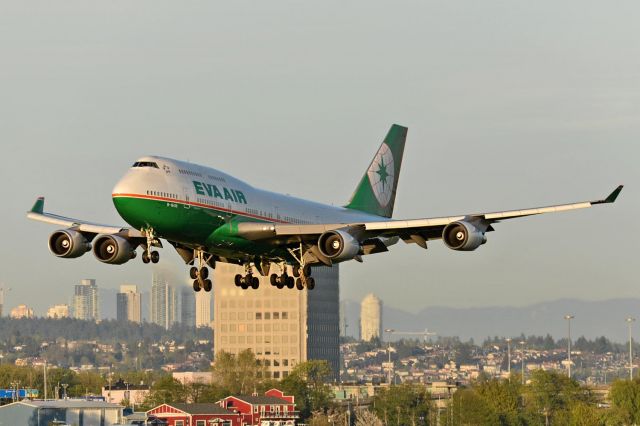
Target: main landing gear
247,280
301,278
200,276
150,255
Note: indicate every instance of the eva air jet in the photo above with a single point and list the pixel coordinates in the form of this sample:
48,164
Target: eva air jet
209,216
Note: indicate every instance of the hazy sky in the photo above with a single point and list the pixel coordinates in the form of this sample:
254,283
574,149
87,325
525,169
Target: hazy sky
509,105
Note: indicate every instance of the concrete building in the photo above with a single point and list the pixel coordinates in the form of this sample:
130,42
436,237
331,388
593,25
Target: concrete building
281,326
188,377
63,412
203,309
58,311
164,302
21,311
129,304
370,318
122,391
188,306
85,301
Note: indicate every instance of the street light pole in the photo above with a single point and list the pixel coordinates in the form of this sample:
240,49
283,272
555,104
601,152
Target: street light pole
569,318
629,321
389,331
522,342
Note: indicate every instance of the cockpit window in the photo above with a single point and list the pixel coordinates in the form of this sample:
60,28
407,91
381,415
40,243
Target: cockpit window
145,164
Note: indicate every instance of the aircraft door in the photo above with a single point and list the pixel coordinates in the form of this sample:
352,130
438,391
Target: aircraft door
185,190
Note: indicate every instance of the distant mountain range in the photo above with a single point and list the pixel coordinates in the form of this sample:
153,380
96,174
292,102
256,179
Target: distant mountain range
592,319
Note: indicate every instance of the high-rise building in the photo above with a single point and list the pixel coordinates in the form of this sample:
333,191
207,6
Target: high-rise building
343,319
129,304
281,326
188,306
85,301
21,311
164,302
203,309
370,318
58,311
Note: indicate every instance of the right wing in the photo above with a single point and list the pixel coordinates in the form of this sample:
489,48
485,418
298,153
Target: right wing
37,213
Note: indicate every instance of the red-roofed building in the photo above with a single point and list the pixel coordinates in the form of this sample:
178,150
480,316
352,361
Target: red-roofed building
274,408
208,414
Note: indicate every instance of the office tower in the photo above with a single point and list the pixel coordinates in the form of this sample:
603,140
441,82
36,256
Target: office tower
203,309
58,311
129,304
281,326
85,300
343,319
164,302
188,306
370,318
21,311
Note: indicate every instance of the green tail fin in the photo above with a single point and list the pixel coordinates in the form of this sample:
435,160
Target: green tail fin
376,192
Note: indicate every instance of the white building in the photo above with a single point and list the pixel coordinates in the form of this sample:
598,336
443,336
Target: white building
21,311
203,309
370,318
85,301
58,311
129,304
164,302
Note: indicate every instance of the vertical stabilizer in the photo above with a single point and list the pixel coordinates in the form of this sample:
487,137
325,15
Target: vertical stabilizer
376,192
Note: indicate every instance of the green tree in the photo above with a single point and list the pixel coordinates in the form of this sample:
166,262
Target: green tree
307,383
625,398
165,390
239,374
406,404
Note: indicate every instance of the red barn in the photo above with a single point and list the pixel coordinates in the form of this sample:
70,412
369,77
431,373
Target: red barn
273,408
195,415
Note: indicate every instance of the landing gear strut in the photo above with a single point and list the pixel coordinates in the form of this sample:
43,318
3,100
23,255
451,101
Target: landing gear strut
248,280
150,255
301,278
200,276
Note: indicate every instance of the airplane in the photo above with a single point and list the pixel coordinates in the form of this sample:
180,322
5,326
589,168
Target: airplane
209,216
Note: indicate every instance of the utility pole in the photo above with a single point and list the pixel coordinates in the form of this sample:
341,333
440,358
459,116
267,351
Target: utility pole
522,342
509,357
629,321
45,379
390,332
569,318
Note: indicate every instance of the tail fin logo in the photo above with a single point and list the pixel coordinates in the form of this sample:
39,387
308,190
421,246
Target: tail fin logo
382,175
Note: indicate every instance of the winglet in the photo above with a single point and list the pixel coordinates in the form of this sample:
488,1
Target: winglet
612,197
38,207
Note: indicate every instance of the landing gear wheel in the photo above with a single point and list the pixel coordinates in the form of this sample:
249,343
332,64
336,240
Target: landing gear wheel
146,259
238,280
306,271
196,285
311,283
299,284
193,272
296,271
273,279
207,285
245,282
255,283
204,273
290,282
155,257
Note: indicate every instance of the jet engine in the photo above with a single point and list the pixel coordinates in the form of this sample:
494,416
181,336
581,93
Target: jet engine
338,245
463,236
113,249
68,243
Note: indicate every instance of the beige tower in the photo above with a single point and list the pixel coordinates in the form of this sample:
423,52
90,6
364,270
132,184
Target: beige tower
85,301
281,326
370,318
129,304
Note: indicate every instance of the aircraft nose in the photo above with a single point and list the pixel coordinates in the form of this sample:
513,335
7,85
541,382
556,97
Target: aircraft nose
123,186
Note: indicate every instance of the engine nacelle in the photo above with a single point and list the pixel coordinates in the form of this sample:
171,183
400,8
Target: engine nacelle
463,236
68,243
338,245
113,249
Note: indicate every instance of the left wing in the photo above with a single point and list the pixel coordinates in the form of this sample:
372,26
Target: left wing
411,231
